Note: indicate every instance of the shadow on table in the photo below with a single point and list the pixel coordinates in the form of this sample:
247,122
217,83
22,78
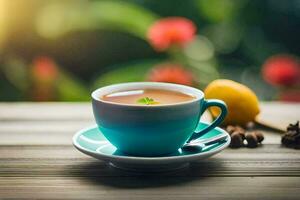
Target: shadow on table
99,173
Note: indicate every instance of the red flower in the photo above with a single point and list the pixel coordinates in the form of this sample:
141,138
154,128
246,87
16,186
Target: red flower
44,74
171,73
171,31
281,70
44,70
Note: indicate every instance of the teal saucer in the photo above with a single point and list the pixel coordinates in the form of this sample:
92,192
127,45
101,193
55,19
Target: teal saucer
91,141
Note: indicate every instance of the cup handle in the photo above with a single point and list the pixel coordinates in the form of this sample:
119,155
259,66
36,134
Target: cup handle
216,122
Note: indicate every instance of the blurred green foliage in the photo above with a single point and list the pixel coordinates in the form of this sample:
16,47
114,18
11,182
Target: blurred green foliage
132,72
96,43
60,18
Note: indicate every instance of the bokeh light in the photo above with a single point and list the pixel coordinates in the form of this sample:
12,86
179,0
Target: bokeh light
97,43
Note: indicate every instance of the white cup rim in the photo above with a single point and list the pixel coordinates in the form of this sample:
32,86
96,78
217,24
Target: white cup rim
96,94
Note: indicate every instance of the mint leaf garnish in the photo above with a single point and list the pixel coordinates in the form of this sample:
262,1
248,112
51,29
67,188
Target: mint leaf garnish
147,101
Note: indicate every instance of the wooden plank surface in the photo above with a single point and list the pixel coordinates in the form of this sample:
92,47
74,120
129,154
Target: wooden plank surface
37,161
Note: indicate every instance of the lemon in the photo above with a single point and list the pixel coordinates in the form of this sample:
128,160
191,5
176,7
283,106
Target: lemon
241,101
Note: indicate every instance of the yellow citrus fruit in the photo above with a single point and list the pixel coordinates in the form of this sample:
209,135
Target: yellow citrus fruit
241,101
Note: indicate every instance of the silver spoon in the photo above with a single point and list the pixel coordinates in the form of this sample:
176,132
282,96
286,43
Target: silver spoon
200,144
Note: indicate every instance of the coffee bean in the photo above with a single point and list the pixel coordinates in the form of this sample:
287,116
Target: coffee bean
252,140
259,135
238,135
250,125
236,140
230,129
240,129
242,134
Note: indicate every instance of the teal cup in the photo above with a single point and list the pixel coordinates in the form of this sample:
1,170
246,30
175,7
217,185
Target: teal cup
152,130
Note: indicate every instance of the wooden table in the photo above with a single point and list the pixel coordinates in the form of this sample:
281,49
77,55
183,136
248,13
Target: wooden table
38,161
